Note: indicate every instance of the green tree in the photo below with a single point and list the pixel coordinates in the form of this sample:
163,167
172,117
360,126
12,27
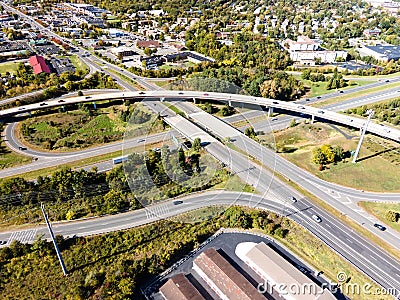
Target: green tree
392,216
196,144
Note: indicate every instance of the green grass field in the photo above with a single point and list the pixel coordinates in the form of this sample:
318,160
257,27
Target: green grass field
79,65
319,88
8,67
12,159
372,172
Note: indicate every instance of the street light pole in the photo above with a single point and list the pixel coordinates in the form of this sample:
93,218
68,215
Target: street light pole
64,269
370,113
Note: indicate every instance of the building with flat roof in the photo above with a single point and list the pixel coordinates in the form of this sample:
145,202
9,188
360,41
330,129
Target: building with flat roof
277,271
227,282
39,65
123,51
380,52
180,288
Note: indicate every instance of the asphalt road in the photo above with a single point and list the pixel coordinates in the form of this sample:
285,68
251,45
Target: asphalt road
318,187
372,261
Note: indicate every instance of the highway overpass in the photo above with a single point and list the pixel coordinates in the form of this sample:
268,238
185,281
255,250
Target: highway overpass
231,99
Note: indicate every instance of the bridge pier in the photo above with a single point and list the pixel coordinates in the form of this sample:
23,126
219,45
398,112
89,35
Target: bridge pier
312,119
230,103
194,100
162,99
270,111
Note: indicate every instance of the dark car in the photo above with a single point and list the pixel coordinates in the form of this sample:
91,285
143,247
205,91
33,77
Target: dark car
380,227
176,202
301,107
142,93
387,80
318,97
180,93
321,111
61,101
22,148
205,94
88,97
307,99
275,102
293,199
340,91
43,104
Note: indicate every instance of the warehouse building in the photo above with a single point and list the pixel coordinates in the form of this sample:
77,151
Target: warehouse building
180,288
286,280
227,282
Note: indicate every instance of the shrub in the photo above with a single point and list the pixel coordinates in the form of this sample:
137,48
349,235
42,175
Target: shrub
392,216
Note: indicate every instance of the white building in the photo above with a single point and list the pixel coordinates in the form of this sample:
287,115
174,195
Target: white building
306,51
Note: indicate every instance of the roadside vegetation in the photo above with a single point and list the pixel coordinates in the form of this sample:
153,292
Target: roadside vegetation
377,165
388,111
153,176
84,125
119,263
9,158
387,213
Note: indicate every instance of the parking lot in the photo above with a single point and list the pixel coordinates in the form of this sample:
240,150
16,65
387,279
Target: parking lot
49,49
61,65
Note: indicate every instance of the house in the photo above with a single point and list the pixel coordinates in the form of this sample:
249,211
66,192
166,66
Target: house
39,64
371,32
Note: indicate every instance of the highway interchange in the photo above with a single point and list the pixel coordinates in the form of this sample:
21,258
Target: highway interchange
369,258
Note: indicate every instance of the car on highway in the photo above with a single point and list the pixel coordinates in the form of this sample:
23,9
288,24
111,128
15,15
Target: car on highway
142,93
43,104
307,99
316,218
3,242
293,199
380,227
321,112
180,93
387,80
61,101
275,102
318,97
21,108
140,140
177,202
88,97
205,94
301,107
274,119
340,91
22,148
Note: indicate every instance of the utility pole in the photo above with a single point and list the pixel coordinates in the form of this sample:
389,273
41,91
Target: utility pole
64,269
370,113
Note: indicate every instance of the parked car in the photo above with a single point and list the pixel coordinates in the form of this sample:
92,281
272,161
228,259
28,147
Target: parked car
293,199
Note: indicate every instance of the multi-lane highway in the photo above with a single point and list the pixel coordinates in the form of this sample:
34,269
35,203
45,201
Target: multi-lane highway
353,247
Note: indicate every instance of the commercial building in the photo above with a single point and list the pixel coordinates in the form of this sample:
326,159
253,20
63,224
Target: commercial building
306,51
180,288
380,52
227,282
39,65
123,51
278,273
